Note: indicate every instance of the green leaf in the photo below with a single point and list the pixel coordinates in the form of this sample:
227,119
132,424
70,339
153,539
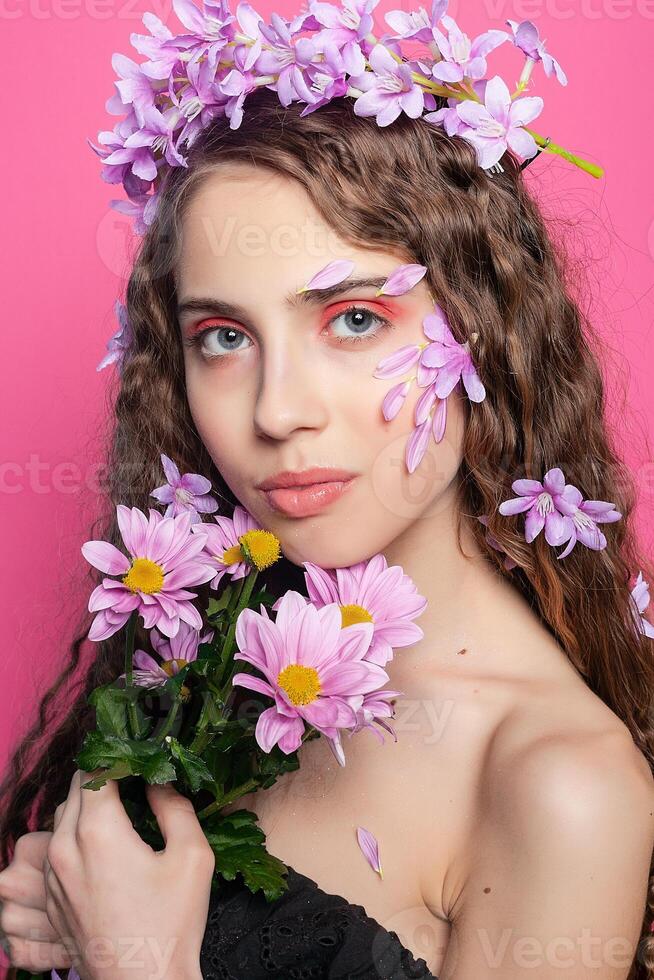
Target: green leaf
194,768
133,758
111,704
238,844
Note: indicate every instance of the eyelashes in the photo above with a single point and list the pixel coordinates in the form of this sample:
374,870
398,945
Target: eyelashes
382,324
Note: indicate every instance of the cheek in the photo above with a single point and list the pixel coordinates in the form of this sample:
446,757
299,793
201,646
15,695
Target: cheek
400,495
219,417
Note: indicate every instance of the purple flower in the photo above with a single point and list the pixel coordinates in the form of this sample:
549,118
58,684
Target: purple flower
461,57
184,493
346,27
139,147
440,365
327,80
559,508
582,517
288,57
498,123
418,25
174,652
121,340
525,37
388,89
640,602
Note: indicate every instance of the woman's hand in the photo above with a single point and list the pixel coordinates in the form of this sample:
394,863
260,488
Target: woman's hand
118,902
30,941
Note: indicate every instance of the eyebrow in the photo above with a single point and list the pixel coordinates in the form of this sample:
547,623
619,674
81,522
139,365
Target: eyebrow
312,297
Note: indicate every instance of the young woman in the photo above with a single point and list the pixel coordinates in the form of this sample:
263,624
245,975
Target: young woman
515,810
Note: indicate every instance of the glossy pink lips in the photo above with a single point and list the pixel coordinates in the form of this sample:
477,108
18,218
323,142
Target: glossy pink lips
305,501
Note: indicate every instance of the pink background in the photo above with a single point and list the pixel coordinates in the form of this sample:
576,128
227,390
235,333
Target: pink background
66,258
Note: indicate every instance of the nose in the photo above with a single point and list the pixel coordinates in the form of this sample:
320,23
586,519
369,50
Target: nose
291,392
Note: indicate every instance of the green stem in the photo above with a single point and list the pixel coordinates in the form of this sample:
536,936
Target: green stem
233,794
168,724
590,168
133,720
243,598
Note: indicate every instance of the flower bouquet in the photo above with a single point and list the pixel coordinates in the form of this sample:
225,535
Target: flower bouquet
178,713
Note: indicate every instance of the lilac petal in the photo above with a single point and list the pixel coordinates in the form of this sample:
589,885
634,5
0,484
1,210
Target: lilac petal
435,325
402,279
394,399
473,384
554,481
534,522
521,142
498,99
557,527
170,469
516,505
370,848
329,275
417,445
527,488
164,494
600,510
524,110
195,484
424,405
398,362
440,420
571,543
592,537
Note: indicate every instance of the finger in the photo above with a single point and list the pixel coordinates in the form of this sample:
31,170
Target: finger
31,847
177,819
66,823
103,810
25,886
26,923
38,957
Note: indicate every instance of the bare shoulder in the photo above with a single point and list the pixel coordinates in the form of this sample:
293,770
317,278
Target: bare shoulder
564,834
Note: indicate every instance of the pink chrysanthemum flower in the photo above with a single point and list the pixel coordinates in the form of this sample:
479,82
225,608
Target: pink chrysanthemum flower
315,670
175,653
164,558
222,549
371,592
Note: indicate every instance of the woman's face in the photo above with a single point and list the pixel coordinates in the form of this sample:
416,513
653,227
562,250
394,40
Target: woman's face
285,381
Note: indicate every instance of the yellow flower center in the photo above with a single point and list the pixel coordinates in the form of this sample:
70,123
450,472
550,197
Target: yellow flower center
167,666
144,576
261,548
301,684
232,555
354,614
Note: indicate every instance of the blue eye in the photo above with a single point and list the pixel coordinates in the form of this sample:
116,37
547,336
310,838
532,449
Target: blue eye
359,319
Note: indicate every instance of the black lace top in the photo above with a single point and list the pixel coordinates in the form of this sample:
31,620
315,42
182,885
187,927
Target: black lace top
306,934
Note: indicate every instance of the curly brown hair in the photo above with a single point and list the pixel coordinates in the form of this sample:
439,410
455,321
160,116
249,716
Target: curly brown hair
504,284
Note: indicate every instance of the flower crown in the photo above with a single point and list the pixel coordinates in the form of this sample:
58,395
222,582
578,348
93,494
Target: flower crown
324,52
